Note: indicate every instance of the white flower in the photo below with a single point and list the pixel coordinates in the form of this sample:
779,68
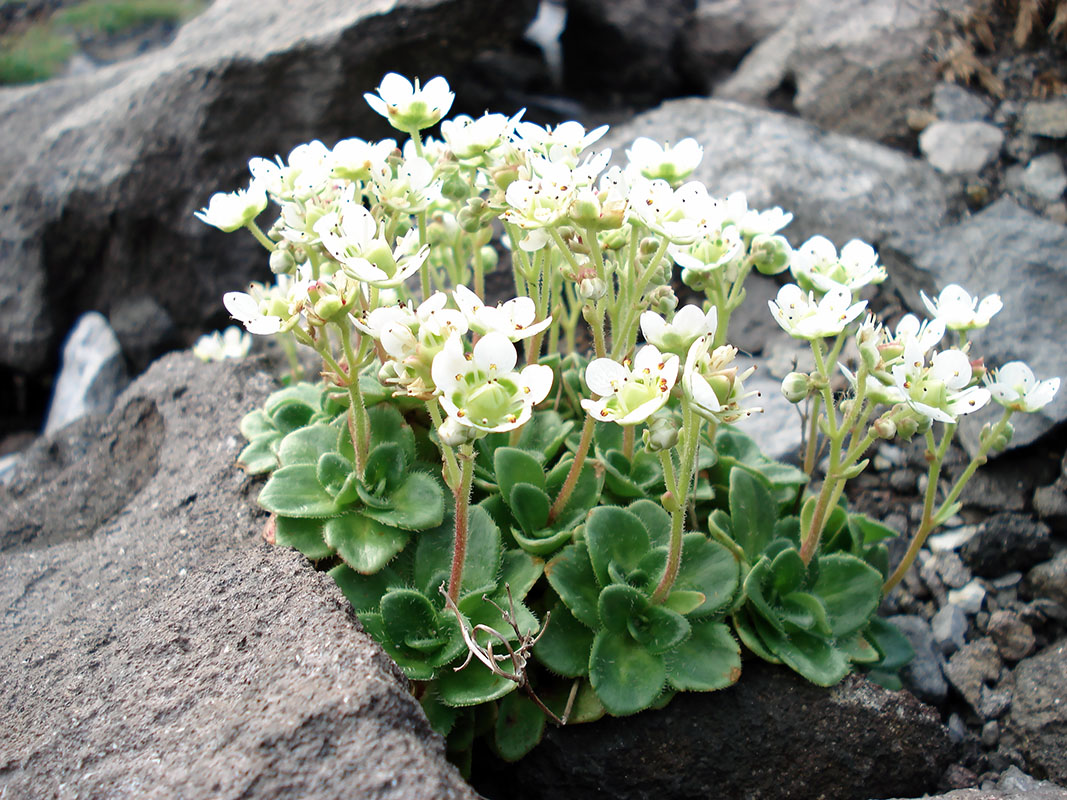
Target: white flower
1014,386
562,144
543,201
714,387
355,160
220,345
412,189
817,265
689,324
660,208
514,319
409,108
804,318
673,164
350,235
470,138
249,311
629,396
925,334
234,210
482,390
959,311
874,389
938,390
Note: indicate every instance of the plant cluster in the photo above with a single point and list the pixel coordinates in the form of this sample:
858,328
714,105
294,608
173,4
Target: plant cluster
534,532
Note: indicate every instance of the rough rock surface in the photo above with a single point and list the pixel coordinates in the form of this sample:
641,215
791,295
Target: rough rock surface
1038,716
1014,784
731,744
1007,250
162,649
853,66
101,173
834,185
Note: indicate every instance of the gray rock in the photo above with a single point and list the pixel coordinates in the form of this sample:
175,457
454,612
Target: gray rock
624,50
949,629
164,650
1049,580
1005,543
1014,638
729,744
1038,715
969,598
923,676
856,66
1044,178
721,32
1014,784
834,185
91,374
973,254
777,430
951,569
954,103
144,329
100,173
1050,505
1045,118
972,669
961,148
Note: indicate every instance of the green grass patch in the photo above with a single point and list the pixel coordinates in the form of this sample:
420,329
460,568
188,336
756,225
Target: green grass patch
35,55
111,17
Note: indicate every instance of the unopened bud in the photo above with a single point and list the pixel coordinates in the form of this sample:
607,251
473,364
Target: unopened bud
884,427
490,257
661,433
453,433
795,387
770,254
592,289
455,187
282,262
663,300
328,306
1000,440
907,424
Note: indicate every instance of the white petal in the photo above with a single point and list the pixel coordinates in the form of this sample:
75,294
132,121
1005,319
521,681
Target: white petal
240,305
653,326
952,367
263,326
495,353
468,301
449,363
603,376
1016,374
1041,395
538,379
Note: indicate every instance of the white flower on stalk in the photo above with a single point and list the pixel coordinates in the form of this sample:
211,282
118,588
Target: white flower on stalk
560,145
543,201
411,189
470,138
233,210
251,311
874,389
689,324
356,160
961,312
713,387
629,395
925,334
514,319
938,390
816,264
220,345
304,175
408,107
482,390
1014,386
802,317
350,235
673,164
660,208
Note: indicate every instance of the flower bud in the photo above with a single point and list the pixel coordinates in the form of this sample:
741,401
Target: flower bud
647,248
506,175
661,433
663,300
282,262
907,423
884,427
470,216
454,187
795,387
592,289
453,433
490,257
616,239
770,254
999,441
329,306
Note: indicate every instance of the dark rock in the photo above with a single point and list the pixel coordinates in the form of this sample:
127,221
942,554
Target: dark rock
836,186
1014,638
730,744
144,329
1038,716
923,676
854,66
1005,543
101,173
91,375
973,254
624,51
162,649
1049,580
949,629
972,668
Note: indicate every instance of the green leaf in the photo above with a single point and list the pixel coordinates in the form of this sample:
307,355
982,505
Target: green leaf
441,717
385,467
812,656
514,466
617,604
520,571
658,629
804,611
894,647
656,521
364,592
482,564
258,456
737,449
787,572
296,492
709,659
564,647
308,394
306,535
306,445
617,474
753,513
570,573
850,589
291,417
519,726
387,426
614,535
942,516
257,423
530,505
684,601
709,568
333,472
545,433
627,678
746,631
535,545
474,684
365,544
417,504
758,578
407,616
585,496
858,649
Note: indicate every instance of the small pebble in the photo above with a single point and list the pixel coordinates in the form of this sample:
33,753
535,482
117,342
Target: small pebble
969,598
949,628
991,733
952,539
1014,638
957,728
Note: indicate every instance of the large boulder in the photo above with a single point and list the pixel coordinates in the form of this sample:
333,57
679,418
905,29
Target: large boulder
153,645
1037,721
854,66
100,173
